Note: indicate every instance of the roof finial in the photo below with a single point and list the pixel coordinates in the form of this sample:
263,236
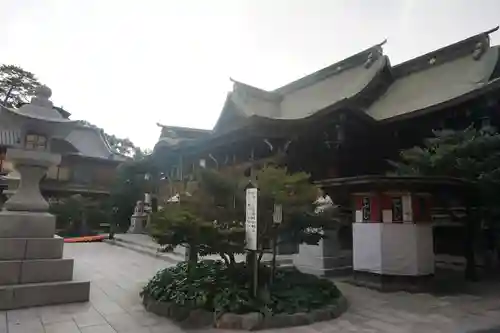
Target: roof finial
42,95
492,30
382,43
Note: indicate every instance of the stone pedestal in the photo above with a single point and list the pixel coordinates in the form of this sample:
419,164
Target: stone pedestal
328,258
138,223
32,269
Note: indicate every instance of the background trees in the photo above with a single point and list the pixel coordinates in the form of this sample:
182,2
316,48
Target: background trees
472,154
16,85
121,146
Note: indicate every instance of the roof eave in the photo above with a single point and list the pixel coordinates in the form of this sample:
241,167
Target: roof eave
486,88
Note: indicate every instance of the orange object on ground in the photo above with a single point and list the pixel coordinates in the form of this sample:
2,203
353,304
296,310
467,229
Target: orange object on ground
85,239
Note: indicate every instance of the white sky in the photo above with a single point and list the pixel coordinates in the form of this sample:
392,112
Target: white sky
125,65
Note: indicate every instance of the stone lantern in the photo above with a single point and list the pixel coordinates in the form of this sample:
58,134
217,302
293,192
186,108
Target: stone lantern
32,270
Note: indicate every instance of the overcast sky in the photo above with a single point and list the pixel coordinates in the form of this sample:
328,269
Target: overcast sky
125,65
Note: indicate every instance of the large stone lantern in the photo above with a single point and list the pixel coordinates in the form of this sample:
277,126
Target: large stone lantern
32,270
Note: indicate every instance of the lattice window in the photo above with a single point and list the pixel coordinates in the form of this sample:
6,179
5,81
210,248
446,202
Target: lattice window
58,173
36,142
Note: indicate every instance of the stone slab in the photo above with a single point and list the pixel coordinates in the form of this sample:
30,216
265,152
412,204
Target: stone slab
39,294
31,248
27,225
33,271
10,272
44,248
12,248
6,298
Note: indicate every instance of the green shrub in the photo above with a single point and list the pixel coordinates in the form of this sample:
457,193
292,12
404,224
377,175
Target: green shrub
213,286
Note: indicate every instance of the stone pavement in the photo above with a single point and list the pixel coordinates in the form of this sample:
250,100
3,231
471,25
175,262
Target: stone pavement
117,275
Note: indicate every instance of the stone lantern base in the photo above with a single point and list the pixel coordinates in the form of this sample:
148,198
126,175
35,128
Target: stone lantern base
32,269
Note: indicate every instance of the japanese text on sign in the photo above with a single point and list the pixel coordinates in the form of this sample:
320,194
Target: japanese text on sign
251,219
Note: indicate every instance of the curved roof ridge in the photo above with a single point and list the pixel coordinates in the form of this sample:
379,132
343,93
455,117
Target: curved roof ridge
254,91
435,84
338,67
443,54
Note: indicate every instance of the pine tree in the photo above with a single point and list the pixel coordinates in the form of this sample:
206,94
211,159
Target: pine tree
16,85
472,154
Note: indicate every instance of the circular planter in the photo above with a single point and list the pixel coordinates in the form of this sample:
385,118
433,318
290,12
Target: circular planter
198,318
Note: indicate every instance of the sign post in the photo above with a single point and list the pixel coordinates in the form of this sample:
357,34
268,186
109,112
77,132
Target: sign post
277,219
251,231
251,219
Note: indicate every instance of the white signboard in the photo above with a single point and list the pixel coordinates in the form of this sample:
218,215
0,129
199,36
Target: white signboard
251,219
278,214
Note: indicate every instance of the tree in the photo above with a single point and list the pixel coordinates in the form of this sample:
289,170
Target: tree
77,215
16,85
210,220
207,221
296,196
128,187
472,154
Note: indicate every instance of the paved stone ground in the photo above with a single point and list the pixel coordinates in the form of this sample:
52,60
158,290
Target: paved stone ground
117,275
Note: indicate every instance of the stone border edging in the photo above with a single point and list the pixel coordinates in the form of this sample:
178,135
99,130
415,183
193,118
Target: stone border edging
199,318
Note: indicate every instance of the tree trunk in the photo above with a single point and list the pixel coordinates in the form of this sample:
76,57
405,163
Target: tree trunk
192,255
7,95
273,261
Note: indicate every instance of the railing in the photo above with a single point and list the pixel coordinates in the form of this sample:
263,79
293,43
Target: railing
73,186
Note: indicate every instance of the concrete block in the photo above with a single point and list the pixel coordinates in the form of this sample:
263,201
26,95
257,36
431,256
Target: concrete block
44,248
51,293
34,271
27,225
6,298
10,272
12,248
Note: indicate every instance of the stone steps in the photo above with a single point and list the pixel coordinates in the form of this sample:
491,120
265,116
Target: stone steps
48,293
35,271
31,248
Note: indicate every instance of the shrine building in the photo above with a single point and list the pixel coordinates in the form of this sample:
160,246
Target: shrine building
344,120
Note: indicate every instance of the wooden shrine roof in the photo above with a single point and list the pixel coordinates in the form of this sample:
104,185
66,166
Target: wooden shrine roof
364,87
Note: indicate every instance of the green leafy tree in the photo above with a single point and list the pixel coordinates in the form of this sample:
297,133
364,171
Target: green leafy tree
296,195
128,188
207,221
77,215
472,154
16,85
